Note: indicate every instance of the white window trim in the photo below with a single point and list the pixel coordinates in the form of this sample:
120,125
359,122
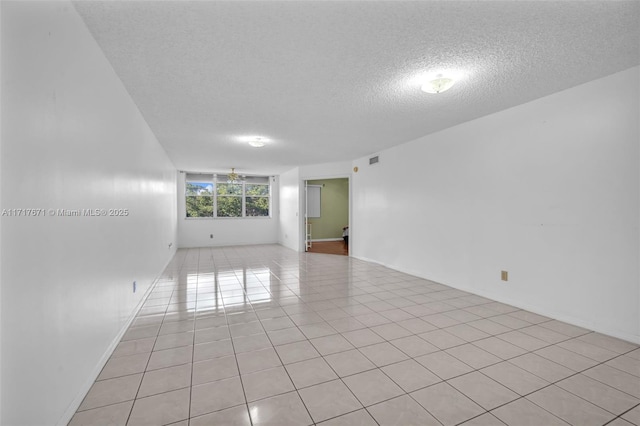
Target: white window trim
243,196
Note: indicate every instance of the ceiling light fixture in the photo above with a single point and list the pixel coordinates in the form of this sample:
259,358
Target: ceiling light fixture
257,143
438,84
233,176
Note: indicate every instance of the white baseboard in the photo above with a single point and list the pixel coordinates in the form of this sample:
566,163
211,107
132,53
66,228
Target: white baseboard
73,407
540,310
319,240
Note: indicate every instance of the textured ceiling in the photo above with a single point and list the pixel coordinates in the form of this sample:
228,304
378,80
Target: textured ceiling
336,80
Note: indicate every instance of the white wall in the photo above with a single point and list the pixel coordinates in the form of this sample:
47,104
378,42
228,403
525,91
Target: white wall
1,206
71,139
325,171
547,190
289,224
227,231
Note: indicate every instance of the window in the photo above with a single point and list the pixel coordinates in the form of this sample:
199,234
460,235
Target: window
199,195
228,197
256,194
213,196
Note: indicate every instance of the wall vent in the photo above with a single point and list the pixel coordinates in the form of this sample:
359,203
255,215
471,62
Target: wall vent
374,160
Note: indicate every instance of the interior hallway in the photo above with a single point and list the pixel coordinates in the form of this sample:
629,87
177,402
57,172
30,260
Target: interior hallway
266,335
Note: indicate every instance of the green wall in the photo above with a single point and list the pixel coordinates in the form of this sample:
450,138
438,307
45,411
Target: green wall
334,208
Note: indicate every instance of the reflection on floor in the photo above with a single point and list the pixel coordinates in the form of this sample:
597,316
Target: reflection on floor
265,335
329,247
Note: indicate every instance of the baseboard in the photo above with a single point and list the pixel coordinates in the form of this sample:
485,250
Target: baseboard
230,244
320,240
564,318
73,407
518,304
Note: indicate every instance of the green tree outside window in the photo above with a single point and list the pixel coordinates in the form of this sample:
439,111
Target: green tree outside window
249,198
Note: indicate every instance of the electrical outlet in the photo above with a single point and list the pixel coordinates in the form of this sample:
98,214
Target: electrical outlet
170,245
134,286
504,275
210,235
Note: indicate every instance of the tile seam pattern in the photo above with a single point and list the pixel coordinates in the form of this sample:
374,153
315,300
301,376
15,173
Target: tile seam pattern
186,266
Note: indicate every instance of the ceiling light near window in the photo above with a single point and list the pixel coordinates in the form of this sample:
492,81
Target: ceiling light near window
233,176
438,84
257,143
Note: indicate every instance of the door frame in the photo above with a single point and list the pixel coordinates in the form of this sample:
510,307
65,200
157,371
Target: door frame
303,207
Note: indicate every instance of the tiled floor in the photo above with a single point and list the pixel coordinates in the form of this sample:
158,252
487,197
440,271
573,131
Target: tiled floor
263,335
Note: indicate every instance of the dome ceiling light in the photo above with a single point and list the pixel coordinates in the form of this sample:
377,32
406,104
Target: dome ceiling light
257,143
254,140
438,84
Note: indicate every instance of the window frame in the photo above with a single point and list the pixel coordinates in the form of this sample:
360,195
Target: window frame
218,195
205,179
212,178
267,196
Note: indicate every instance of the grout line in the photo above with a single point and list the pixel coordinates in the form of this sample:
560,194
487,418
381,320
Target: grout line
193,351
150,354
283,364
619,416
319,283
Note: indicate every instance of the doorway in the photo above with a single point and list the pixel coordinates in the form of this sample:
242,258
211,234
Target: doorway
327,216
